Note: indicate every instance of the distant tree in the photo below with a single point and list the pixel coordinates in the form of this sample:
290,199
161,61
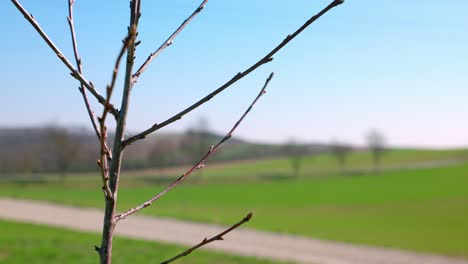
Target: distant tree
341,152
196,139
63,149
165,152
30,162
3,167
376,145
295,153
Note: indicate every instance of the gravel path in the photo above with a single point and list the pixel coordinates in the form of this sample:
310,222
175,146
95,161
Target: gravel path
241,242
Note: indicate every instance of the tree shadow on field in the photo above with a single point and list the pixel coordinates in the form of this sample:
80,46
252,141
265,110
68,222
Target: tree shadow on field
355,173
276,177
159,180
24,180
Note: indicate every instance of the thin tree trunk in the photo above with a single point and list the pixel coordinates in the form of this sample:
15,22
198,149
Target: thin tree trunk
105,252
114,170
111,203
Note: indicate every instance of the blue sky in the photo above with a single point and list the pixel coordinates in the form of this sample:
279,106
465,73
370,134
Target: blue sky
397,66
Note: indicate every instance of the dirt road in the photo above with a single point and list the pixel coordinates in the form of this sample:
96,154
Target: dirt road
242,241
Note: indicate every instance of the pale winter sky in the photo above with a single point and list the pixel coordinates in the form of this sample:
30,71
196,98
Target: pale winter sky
400,67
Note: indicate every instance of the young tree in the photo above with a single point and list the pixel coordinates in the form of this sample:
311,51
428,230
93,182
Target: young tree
295,153
376,145
111,156
341,152
164,152
62,149
195,139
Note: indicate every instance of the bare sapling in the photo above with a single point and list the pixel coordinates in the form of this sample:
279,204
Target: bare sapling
111,153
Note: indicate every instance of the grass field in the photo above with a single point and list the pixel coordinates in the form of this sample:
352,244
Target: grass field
26,243
326,164
420,209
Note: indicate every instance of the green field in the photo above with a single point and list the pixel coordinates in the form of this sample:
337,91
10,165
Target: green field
26,243
415,209
322,165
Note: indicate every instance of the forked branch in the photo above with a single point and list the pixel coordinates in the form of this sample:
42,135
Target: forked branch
80,68
267,58
199,164
207,241
105,153
105,251
168,42
75,73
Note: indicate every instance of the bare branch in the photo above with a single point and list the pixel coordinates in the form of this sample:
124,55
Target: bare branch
168,42
80,68
75,73
267,58
199,164
207,241
105,153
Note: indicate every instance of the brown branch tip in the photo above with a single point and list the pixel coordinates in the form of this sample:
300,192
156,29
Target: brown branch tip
207,241
74,72
168,42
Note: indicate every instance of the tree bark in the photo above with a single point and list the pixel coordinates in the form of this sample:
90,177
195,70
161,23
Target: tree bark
105,251
117,153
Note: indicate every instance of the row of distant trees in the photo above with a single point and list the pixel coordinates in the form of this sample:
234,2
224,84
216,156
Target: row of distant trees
54,149
58,150
181,150
341,151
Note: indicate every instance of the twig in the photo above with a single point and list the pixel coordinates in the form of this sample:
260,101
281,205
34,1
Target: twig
76,74
79,66
168,42
207,241
105,153
102,136
267,58
199,164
